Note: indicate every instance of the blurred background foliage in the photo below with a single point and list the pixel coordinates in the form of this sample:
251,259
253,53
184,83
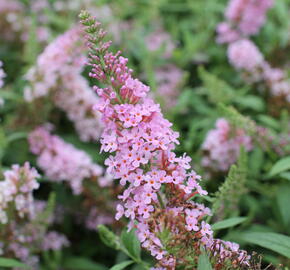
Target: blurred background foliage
250,189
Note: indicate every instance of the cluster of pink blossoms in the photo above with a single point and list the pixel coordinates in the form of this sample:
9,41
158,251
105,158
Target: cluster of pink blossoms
243,54
244,18
246,57
168,79
22,232
17,23
61,161
222,146
9,13
58,75
160,39
17,189
158,184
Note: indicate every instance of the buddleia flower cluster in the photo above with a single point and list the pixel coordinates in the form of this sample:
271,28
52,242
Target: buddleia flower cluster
57,75
23,228
159,186
64,163
168,79
245,18
222,145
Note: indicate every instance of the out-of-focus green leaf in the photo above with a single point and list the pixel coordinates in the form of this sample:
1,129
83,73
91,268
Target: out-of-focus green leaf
108,237
285,175
283,199
269,121
121,265
227,223
256,161
6,262
281,166
274,241
250,102
82,263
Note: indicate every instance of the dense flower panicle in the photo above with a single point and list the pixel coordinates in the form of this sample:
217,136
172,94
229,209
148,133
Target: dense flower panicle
63,56
244,18
23,226
168,79
77,100
15,23
16,190
160,39
243,54
222,146
9,11
61,161
158,184
246,57
58,75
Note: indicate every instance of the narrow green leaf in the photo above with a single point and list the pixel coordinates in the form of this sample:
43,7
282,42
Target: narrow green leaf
227,223
121,265
274,241
281,166
203,262
269,121
285,175
251,101
82,263
282,197
5,262
131,243
108,237
256,161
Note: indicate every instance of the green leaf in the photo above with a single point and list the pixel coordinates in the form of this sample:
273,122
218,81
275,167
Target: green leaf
269,121
285,175
282,197
274,241
3,143
250,101
82,263
5,262
108,237
203,262
280,166
227,223
132,244
17,136
121,265
256,161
